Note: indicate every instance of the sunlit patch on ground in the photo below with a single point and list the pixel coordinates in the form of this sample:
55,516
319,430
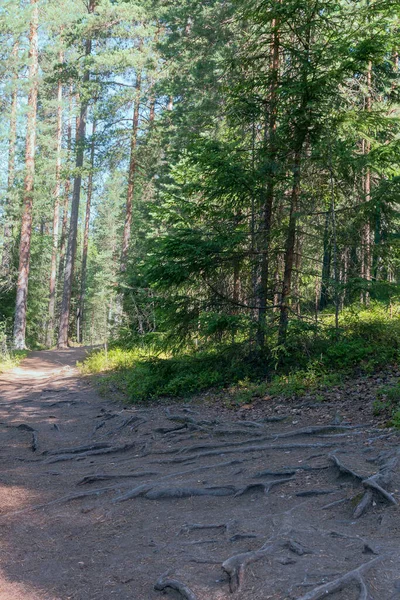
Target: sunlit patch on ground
15,497
11,590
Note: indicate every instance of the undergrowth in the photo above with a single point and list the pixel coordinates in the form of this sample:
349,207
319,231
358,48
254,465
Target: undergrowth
314,358
10,359
388,403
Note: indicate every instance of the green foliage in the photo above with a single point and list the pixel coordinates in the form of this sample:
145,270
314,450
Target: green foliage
313,363
8,358
143,378
388,403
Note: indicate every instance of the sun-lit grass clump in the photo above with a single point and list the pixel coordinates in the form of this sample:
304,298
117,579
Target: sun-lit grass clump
11,359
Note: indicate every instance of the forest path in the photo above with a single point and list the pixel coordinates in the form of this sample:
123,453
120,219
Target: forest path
100,500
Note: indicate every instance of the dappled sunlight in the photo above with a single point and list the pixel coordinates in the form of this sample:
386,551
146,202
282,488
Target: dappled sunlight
16,497
10,590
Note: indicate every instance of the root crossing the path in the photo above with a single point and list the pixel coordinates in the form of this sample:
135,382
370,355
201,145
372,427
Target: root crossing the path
190,501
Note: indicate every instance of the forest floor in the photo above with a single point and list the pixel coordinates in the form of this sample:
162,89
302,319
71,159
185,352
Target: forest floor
274,500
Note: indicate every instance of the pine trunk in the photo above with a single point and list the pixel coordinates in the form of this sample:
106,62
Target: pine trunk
326,265
367,237
290,247
131,176
12,139
76,193
56,215
67,189
270,137
26,228
80,318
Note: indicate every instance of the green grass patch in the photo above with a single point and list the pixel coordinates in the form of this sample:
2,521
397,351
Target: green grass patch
314,359
11,359
388,404
143,377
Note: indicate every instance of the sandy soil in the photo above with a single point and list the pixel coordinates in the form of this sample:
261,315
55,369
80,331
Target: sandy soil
99,500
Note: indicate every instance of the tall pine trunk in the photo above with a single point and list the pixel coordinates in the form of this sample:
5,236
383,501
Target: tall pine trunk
81,314
67,189
76,194
56,216
367,235
270,136
131,176
290,245
26,228
326,265
12,139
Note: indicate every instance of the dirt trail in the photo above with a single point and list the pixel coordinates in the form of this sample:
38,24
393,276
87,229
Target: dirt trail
100,500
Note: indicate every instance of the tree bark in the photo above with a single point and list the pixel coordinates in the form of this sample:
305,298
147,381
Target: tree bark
270,131
73,229
131,176
56,216
326,265
67,189
30,145
12,139
86,238
290,246
367,237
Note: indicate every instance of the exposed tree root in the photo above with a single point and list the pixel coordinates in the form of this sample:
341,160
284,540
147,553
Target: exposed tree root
235,566
105,477
316,430
166,430
352,577
307,493
111,450
156,493
98,426
164,582
62,500
343,469
289,471
76,449
188,527
243,450
151,492
134,419
265,487
336,503
34,442
298,548
59,402
23,427
383,478
374,484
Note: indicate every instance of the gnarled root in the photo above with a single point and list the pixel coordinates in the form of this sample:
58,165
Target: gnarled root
355,576
235,566
164,582
375,484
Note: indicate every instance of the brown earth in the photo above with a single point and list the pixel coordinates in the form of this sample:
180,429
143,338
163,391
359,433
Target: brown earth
279,500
